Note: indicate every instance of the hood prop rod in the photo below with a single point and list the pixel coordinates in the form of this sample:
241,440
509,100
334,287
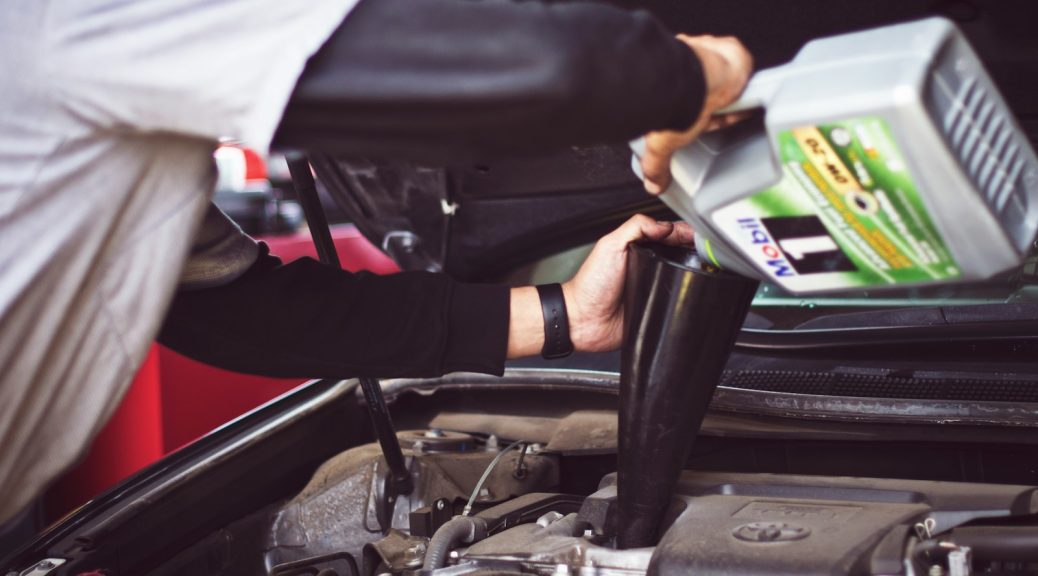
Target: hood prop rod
399,481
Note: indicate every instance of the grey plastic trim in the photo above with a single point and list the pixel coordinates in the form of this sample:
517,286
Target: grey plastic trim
736,400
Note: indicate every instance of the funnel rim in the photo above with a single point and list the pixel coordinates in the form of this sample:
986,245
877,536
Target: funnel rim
678,257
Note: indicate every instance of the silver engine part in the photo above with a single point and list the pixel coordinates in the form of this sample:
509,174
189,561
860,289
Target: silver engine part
718,523
555,544
725,523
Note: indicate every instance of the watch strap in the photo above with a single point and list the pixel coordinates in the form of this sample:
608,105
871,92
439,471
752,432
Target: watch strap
557,343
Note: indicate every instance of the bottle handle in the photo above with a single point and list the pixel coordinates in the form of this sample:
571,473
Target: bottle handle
675,196
737,158
759,91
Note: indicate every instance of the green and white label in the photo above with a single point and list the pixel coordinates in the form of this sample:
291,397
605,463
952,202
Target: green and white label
846,214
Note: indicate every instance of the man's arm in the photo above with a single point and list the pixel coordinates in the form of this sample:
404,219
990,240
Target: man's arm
466,78
309,320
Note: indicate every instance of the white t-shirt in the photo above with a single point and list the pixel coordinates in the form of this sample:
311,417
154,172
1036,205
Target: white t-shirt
109,114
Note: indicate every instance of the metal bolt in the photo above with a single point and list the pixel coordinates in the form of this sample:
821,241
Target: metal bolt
440,505
45,565
414,555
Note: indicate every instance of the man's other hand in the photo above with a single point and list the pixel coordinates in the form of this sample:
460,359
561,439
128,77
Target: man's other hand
726,67
594,297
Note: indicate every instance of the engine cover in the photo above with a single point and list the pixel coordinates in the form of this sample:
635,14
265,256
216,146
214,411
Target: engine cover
725,523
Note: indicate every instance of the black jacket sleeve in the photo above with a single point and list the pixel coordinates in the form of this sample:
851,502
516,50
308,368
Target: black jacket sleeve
309,320
463,79
460,79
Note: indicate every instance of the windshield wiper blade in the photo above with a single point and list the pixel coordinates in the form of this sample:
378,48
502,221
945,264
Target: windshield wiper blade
963,329
924,316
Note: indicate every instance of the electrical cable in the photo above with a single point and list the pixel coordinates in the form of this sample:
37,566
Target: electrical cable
486,474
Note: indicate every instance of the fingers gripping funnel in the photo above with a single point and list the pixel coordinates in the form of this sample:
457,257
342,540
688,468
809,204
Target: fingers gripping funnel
681,317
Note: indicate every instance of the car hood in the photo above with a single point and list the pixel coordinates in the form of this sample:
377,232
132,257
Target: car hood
483,221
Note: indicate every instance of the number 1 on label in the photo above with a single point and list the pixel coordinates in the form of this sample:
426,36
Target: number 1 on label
797,248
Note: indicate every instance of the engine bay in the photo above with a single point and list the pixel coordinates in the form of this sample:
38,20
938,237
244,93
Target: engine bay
299,487
487,506
581,471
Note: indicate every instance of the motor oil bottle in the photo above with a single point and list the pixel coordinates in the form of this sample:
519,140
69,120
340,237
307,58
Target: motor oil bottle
882,158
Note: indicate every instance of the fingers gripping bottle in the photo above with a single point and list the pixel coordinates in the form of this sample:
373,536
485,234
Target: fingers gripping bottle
882,158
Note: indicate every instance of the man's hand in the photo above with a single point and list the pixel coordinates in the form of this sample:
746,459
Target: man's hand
726,67
594,297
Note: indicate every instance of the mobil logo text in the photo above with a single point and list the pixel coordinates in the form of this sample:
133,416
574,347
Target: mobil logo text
773,257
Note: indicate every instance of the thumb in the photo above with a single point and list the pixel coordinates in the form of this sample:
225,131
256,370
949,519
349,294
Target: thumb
655,162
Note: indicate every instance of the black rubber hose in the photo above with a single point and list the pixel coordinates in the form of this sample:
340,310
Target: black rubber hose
455,531
1001,543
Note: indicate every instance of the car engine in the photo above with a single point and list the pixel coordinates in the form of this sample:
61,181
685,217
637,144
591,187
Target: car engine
460,499
484,506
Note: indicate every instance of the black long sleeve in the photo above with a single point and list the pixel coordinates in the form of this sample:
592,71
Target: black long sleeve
309,320
452,79
445,80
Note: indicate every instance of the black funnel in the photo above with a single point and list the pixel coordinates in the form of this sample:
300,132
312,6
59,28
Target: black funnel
681,317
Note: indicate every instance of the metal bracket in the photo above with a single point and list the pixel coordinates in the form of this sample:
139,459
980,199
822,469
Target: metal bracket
43,567
449,208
